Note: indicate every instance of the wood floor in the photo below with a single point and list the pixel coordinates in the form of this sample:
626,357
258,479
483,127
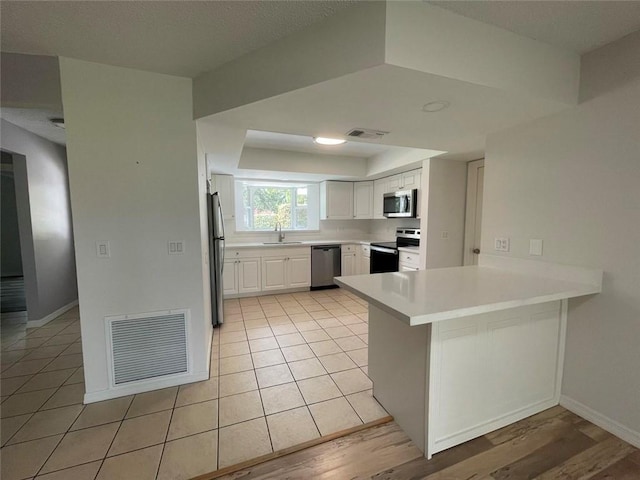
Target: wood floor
555,444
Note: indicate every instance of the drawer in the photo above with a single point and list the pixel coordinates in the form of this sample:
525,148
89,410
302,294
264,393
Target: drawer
410,259
349,248
366,250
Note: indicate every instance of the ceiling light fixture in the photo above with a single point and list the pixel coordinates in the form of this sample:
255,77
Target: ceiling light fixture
328,141
58,122
436,106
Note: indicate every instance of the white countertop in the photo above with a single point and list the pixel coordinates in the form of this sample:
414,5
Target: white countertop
297,244
427,296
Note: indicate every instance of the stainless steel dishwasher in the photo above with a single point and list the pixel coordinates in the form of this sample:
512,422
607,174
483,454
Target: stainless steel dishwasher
325,264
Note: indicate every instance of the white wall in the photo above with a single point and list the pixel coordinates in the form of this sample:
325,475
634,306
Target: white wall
446,183
44,217
573,179
134,175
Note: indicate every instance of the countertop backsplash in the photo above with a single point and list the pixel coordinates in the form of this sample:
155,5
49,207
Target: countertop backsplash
377,230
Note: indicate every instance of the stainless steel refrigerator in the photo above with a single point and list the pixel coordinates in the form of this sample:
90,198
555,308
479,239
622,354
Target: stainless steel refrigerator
216,256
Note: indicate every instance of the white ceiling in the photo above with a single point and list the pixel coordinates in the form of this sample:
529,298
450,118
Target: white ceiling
302,143
579,26
344,103
174,37
36,121
189,37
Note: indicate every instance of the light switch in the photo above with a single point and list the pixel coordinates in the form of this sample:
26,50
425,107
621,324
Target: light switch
535,247
103,250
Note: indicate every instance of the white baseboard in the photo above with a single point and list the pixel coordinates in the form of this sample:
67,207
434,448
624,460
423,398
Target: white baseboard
44,320
610,425
145,386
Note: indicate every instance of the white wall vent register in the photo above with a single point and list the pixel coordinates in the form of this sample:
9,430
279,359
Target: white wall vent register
147,346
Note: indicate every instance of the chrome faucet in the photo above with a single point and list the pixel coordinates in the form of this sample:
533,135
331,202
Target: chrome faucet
280,234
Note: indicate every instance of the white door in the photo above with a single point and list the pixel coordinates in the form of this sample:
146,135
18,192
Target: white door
299,270
473,221
249,275
230,278
274,273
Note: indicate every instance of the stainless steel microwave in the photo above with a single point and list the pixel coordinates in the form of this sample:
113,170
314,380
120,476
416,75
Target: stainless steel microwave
400,204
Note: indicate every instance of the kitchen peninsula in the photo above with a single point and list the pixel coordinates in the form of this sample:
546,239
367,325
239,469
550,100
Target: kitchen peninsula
455,353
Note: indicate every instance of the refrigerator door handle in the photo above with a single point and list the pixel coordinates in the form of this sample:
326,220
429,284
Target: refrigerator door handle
223,256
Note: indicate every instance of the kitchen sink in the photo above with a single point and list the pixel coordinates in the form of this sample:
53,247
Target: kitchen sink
279,243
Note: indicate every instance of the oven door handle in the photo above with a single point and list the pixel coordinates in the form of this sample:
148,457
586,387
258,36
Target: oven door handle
384,250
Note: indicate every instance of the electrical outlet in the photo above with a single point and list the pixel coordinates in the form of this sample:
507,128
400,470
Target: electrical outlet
176,247
103,250
444,235
501,244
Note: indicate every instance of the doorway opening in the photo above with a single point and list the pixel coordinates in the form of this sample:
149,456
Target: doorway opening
13,304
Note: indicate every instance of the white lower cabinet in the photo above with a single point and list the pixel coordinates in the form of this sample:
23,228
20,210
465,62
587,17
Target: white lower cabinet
299,270
292,270
241,275
349,263
274,273
365,260
408,261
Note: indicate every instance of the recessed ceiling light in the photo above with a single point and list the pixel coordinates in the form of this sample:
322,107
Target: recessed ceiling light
58,122
328,141
436,106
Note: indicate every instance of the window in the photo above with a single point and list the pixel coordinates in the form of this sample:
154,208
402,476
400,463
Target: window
262,204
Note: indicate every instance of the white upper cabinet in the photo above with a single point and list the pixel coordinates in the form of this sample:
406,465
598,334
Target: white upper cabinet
224,185
363,200
410,180
393,183
379,189
336,200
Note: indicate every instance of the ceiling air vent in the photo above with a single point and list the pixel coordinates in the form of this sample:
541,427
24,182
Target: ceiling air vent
366,133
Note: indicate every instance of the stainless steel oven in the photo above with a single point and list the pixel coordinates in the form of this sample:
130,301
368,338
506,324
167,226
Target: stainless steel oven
401,204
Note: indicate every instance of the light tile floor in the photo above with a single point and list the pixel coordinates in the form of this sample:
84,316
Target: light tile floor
285,369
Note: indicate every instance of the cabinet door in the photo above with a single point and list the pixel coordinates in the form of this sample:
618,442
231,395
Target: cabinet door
299,271
379,189
338,200
348,264
394,183
249,275
274,275
364,265
224,185
230,278
362,200
411,180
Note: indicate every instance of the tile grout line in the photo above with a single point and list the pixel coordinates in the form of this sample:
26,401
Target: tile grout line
114,437
166,435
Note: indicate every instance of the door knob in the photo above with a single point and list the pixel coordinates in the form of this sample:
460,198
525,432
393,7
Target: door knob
476,250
